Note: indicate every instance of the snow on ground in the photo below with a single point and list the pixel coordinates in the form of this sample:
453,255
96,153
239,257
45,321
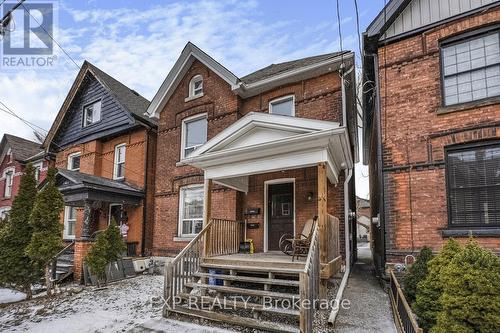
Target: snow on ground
123,306
9,295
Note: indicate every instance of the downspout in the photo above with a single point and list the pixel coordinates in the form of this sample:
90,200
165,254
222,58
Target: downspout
348,176
146,189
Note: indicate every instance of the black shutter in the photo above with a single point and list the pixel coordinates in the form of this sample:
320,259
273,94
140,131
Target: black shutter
474,186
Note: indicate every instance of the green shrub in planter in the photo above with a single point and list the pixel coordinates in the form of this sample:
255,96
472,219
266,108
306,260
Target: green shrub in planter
471,295
429,290
416,273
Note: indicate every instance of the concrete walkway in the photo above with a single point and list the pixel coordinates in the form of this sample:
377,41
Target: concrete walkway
370,309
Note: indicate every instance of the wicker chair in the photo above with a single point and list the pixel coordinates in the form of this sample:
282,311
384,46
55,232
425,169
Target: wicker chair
298,246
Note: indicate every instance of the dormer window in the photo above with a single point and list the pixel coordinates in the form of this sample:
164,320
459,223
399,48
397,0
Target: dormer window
91,113
9,154
196,86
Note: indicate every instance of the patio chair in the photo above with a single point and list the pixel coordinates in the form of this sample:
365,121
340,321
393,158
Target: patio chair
298,246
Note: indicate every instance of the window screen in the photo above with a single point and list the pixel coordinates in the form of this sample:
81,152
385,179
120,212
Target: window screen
471,69
474,186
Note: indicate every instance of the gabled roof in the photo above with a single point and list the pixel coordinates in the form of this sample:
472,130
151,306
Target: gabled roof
275,69
128,98
22,149
251,84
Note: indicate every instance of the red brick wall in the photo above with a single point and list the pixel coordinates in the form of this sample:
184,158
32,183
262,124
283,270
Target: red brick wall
98,159
415,131
317,98
18,169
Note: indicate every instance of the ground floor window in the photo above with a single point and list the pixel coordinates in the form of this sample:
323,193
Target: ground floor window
473,180
191,210
69,222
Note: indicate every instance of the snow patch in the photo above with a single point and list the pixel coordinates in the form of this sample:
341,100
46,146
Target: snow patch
9,296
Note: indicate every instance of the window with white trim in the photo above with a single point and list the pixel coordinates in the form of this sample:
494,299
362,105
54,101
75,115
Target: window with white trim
9,180
194,134
4,213
69,222
191,200
284,106
471,69
196,86
9,154
74,161
91,113
119,166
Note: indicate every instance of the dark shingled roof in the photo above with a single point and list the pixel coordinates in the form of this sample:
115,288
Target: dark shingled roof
22,149
85,179
129,98
283,67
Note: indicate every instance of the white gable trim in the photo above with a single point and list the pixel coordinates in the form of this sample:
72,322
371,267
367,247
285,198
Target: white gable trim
311,142
264,120
189,53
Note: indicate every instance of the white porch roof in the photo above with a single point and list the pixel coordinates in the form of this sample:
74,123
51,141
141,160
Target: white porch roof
261,142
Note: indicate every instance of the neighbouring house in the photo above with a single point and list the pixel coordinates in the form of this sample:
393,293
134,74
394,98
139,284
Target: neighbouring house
273,149
15,154
363,219
431,95
103,147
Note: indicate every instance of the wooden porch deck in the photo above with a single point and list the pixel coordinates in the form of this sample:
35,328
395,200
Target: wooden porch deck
274,259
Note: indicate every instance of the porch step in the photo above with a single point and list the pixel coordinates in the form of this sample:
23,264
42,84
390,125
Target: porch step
257,269
250,279
253,263
237,320
242,291
240,305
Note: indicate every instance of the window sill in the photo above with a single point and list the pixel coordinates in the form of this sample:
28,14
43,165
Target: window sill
183,239
190,98
468,105
476,232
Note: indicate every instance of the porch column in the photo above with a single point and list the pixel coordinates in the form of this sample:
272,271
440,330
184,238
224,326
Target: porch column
322,216
87,219
207,210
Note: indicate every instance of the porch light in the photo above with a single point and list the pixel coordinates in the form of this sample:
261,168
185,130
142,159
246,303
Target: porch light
310,196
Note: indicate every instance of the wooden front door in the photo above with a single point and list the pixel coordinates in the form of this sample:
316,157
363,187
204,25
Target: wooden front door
280,213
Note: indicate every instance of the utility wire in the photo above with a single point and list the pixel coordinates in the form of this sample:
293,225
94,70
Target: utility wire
51,37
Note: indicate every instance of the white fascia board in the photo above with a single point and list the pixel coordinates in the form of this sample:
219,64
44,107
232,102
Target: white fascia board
316,140
254,119
188,54
248,90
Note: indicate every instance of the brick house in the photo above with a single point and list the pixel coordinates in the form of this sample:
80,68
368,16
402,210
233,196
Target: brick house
272,148
103,147
15,154
431,111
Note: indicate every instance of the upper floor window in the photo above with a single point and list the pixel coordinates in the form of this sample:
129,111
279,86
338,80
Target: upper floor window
191,210
9,180
74,161
91,113
196,86
471,69
38,170
194,134
284,106
119,166
473,178
9,154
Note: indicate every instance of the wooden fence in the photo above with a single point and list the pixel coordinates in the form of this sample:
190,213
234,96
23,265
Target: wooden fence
309,285
403,316
333,265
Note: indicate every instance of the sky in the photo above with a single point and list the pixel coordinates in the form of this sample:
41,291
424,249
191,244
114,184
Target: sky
137,42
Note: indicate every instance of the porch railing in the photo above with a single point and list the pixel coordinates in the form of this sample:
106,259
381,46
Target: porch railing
53,263
402,311
223,237
217,238
309,285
